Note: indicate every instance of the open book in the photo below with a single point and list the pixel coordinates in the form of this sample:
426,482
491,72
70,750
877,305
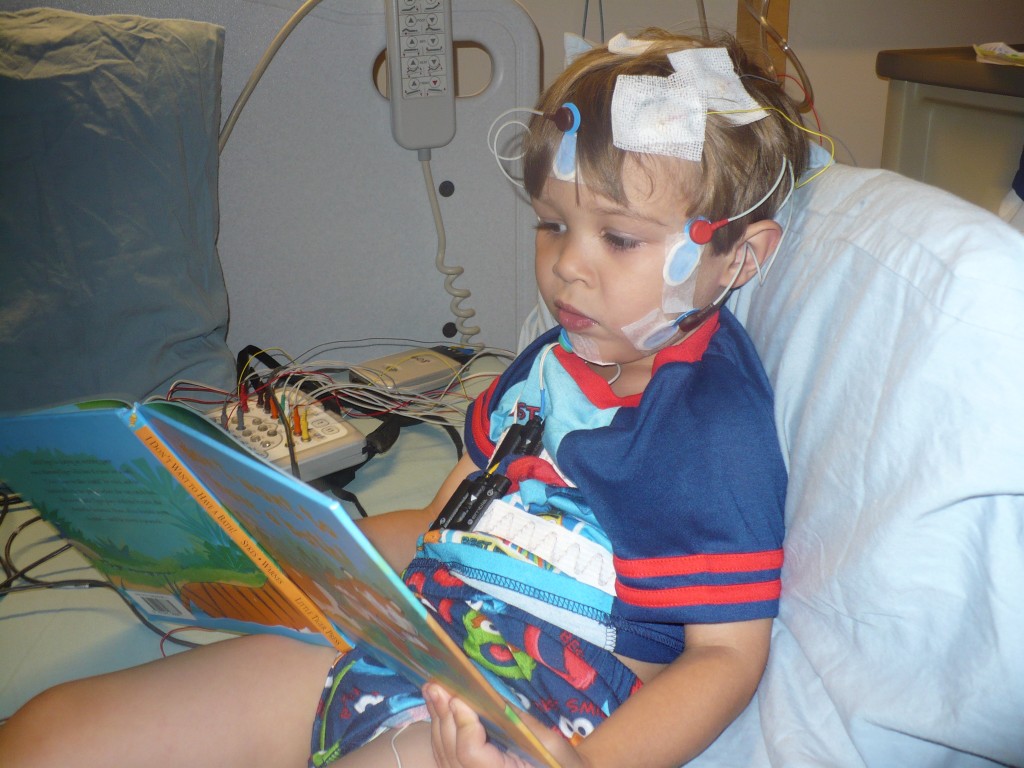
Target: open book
194,529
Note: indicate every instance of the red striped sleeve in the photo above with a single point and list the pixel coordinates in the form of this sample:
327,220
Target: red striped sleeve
704,594
687,565
680,570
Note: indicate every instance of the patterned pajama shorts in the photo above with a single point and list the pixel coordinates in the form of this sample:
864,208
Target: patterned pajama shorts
570,684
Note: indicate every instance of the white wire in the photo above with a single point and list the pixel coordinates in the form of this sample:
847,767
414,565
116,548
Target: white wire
769,193
381,341
762,276
428,409
394,747
261,67
451,273
732,282
493,137
435,407
444,406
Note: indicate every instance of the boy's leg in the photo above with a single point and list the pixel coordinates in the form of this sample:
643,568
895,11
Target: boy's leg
242,702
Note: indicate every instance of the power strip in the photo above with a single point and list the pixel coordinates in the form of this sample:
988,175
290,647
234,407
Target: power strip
323,442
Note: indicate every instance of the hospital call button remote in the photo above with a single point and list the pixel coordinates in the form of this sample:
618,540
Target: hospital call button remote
421,77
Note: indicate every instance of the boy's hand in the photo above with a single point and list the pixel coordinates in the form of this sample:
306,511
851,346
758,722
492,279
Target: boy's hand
459,740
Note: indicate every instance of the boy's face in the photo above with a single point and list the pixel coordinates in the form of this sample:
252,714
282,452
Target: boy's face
600,264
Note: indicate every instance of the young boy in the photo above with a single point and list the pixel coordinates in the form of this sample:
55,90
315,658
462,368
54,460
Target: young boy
627,578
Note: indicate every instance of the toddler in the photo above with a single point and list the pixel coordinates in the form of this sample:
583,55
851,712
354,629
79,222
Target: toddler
621,589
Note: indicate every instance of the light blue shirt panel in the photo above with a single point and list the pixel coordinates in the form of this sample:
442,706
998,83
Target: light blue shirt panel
564,406
574,412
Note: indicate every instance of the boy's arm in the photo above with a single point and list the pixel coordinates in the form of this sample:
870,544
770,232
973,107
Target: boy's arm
677,715
672,719
394,534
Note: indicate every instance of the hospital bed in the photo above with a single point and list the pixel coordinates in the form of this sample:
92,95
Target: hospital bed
892,328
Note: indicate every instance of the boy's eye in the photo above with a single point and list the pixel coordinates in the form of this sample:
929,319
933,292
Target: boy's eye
552,227
621,242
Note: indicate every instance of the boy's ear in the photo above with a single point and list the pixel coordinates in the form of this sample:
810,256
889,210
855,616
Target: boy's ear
754,249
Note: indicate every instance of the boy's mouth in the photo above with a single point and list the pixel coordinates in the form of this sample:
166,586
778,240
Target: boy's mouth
572,319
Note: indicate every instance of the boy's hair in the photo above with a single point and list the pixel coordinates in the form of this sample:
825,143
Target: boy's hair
739,165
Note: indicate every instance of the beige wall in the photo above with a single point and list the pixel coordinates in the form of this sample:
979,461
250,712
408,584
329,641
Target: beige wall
836,40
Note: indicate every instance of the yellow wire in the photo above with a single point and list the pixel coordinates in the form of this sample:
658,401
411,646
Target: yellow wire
254,356
795,124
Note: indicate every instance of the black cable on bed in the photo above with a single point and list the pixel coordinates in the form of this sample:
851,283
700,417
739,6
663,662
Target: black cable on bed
13,574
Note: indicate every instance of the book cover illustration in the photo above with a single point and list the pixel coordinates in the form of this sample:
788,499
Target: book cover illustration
312,538
106,493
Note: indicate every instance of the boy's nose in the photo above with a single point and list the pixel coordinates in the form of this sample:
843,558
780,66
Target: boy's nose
572,261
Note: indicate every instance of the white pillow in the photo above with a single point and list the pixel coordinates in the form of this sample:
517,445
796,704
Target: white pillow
892,328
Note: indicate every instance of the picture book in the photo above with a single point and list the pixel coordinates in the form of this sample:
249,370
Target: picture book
196,530
133,520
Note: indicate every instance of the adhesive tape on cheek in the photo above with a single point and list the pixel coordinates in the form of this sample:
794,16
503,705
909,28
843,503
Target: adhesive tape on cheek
679,299
651,331
661,336
681,259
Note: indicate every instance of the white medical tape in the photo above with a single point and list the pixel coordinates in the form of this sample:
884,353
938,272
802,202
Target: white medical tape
652,331
624,45
712,69
668,115
573,45
659,115
585,348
